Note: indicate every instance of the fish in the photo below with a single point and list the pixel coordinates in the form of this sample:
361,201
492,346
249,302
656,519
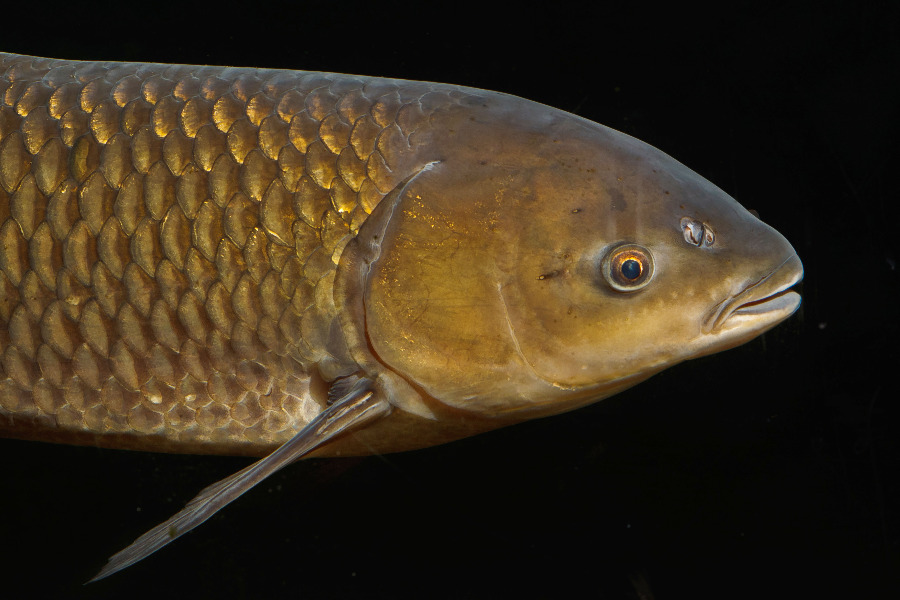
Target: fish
285,264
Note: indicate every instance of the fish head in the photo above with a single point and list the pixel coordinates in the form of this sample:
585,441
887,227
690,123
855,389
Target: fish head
544,261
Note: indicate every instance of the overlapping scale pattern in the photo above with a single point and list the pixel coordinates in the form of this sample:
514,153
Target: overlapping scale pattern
169,237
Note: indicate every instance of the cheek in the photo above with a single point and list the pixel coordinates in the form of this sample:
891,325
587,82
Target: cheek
655,328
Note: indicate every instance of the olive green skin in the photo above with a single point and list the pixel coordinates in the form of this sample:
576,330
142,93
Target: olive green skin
191,256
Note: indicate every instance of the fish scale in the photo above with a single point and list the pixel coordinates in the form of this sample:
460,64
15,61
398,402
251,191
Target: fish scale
169,237
238,260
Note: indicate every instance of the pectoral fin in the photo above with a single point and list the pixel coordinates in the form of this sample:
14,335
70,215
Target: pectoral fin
359,406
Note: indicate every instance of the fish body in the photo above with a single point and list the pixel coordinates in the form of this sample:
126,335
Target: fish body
207,259
171,240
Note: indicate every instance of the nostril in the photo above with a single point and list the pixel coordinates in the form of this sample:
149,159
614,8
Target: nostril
697,233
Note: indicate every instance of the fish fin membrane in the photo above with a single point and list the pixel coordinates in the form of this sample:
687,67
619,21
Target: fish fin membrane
359,407
347,386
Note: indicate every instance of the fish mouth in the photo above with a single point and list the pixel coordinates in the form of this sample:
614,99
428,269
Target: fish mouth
762,304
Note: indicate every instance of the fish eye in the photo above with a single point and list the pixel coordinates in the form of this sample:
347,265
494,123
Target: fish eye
627,267
697,233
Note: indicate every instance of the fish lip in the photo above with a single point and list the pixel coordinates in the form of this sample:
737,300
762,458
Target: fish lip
768,300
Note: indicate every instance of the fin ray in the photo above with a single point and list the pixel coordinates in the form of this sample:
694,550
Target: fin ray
358,407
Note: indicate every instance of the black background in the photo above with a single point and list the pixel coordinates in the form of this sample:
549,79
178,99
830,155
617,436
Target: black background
766,471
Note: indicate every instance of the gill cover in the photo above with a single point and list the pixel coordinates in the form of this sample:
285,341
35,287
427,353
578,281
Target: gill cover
487,293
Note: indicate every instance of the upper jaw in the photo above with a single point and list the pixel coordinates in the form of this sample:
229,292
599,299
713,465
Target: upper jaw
761,304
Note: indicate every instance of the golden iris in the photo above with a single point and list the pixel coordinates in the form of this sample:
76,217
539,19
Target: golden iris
627,267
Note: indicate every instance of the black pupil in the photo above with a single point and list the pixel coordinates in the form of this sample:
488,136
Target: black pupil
631,269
